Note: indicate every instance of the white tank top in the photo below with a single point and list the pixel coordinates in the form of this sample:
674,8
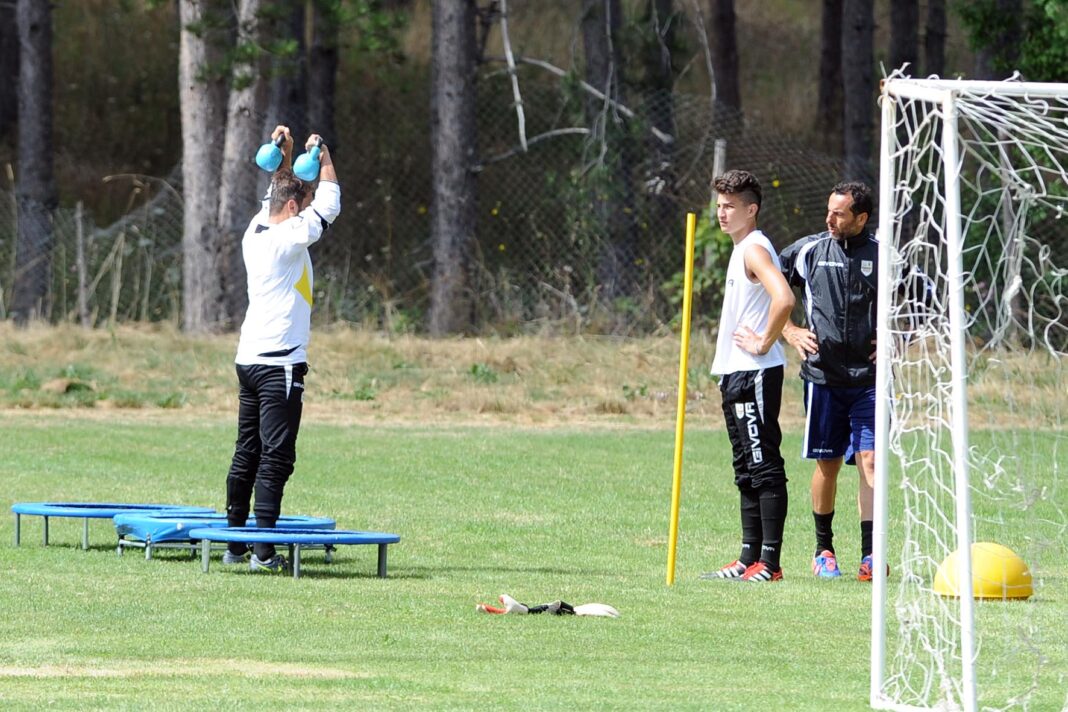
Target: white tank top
745,303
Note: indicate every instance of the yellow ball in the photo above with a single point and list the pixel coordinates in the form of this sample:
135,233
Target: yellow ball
997,573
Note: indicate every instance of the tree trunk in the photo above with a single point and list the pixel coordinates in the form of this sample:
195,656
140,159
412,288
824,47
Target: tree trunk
454,150
904,35
601,21
287,95
660,175
858,84
613,201
203,109
934,43
239,190
322,73
996,60
9,69
35,191
660,80
725,53
829,109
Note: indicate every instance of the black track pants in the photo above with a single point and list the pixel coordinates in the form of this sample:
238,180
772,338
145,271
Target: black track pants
751,402
270,404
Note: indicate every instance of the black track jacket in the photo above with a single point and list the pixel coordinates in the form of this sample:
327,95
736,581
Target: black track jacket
839,283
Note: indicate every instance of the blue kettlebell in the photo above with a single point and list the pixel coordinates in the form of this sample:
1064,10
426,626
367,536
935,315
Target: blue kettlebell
306,167
269,157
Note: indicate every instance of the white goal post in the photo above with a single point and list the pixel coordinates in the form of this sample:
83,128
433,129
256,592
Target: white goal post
972,357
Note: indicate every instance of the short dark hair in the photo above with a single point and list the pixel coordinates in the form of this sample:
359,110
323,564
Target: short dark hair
740,183
285,187
861,194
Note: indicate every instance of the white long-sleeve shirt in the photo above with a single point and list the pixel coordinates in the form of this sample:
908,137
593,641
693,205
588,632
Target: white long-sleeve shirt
277,326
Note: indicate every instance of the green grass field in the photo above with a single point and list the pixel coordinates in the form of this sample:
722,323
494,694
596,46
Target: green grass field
578,513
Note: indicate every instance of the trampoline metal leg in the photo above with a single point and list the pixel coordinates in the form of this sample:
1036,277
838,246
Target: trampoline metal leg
205,554
46,531
382,560
85,534
148,550
295,554
18,529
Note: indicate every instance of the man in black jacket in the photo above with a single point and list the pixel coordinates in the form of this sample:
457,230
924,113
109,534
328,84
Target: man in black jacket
837,272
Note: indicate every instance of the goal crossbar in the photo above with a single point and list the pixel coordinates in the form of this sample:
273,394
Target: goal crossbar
935,89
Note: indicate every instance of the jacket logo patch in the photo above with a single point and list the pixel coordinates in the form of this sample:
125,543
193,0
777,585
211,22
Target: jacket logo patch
866,267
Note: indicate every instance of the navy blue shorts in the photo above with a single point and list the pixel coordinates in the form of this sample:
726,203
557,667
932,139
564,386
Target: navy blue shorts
839,422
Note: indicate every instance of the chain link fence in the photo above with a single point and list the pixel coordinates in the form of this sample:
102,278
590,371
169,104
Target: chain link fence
548,217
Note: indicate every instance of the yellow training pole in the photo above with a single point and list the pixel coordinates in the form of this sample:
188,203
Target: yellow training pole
680,417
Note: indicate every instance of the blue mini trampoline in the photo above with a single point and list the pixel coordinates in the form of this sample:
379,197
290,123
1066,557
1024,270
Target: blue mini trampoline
86,511
149,530
294,539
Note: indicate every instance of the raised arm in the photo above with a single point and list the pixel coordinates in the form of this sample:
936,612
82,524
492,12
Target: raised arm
326,163
326,203
287,147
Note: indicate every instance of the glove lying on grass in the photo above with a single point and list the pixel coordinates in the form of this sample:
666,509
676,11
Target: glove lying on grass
556,608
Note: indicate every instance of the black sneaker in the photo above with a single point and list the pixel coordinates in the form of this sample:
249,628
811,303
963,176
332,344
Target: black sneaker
277,564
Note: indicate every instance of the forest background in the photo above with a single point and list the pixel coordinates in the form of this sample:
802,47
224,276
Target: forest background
507,167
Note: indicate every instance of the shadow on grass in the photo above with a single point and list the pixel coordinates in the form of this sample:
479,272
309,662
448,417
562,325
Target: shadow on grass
417,573
69,546
317,568
435,571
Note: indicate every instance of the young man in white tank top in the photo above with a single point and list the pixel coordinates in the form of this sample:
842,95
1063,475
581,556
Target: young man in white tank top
749,359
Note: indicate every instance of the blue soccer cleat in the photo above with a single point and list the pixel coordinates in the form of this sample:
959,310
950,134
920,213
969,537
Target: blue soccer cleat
867,569
825,565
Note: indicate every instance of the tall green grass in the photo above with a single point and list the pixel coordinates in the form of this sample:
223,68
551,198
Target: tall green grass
539,514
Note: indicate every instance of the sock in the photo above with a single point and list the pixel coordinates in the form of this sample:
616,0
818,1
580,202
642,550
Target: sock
865,538
262,551
556,608
752,531
511,605
824,532
596,609
773,520
236,516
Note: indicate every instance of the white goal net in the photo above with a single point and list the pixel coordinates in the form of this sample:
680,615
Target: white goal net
973,376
